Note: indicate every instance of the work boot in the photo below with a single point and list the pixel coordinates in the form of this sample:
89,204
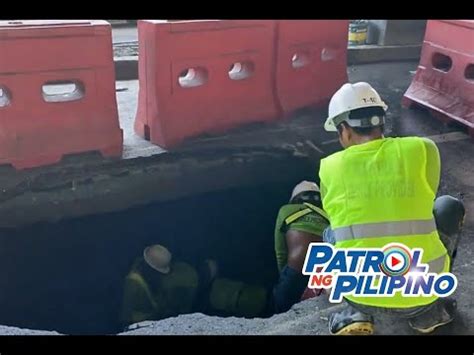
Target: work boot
351,322
440,314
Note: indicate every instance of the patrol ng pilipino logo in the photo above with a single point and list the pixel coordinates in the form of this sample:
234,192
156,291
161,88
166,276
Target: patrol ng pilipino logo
374,272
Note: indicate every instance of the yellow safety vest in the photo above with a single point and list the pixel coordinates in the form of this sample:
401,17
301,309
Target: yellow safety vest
377,193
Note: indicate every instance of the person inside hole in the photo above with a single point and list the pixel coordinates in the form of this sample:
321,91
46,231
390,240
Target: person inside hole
159,287
299,223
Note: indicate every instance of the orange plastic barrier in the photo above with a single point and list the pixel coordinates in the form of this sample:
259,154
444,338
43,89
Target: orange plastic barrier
203,77
57,91
311,62
444,80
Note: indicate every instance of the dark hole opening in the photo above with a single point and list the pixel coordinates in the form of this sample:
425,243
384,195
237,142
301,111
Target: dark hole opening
441,62
68,276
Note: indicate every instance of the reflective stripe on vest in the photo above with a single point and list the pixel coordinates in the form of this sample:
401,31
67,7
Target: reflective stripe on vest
295,216
385,229
437,265
311,208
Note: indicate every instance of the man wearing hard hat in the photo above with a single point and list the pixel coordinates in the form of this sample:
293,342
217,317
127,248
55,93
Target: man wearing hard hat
381,190
159,287
299,223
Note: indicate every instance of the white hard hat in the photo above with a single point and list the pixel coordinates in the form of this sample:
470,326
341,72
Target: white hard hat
304,186
158,257
352,97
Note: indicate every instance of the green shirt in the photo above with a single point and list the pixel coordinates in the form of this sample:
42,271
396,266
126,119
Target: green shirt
312,223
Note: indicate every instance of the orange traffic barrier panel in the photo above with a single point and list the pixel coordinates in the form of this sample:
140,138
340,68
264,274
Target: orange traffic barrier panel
311,62
200,77
444,80
57,91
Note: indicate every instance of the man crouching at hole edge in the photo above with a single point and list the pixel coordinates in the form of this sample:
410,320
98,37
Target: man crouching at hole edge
387,185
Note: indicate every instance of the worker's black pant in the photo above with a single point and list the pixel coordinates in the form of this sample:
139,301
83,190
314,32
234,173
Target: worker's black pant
288,290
